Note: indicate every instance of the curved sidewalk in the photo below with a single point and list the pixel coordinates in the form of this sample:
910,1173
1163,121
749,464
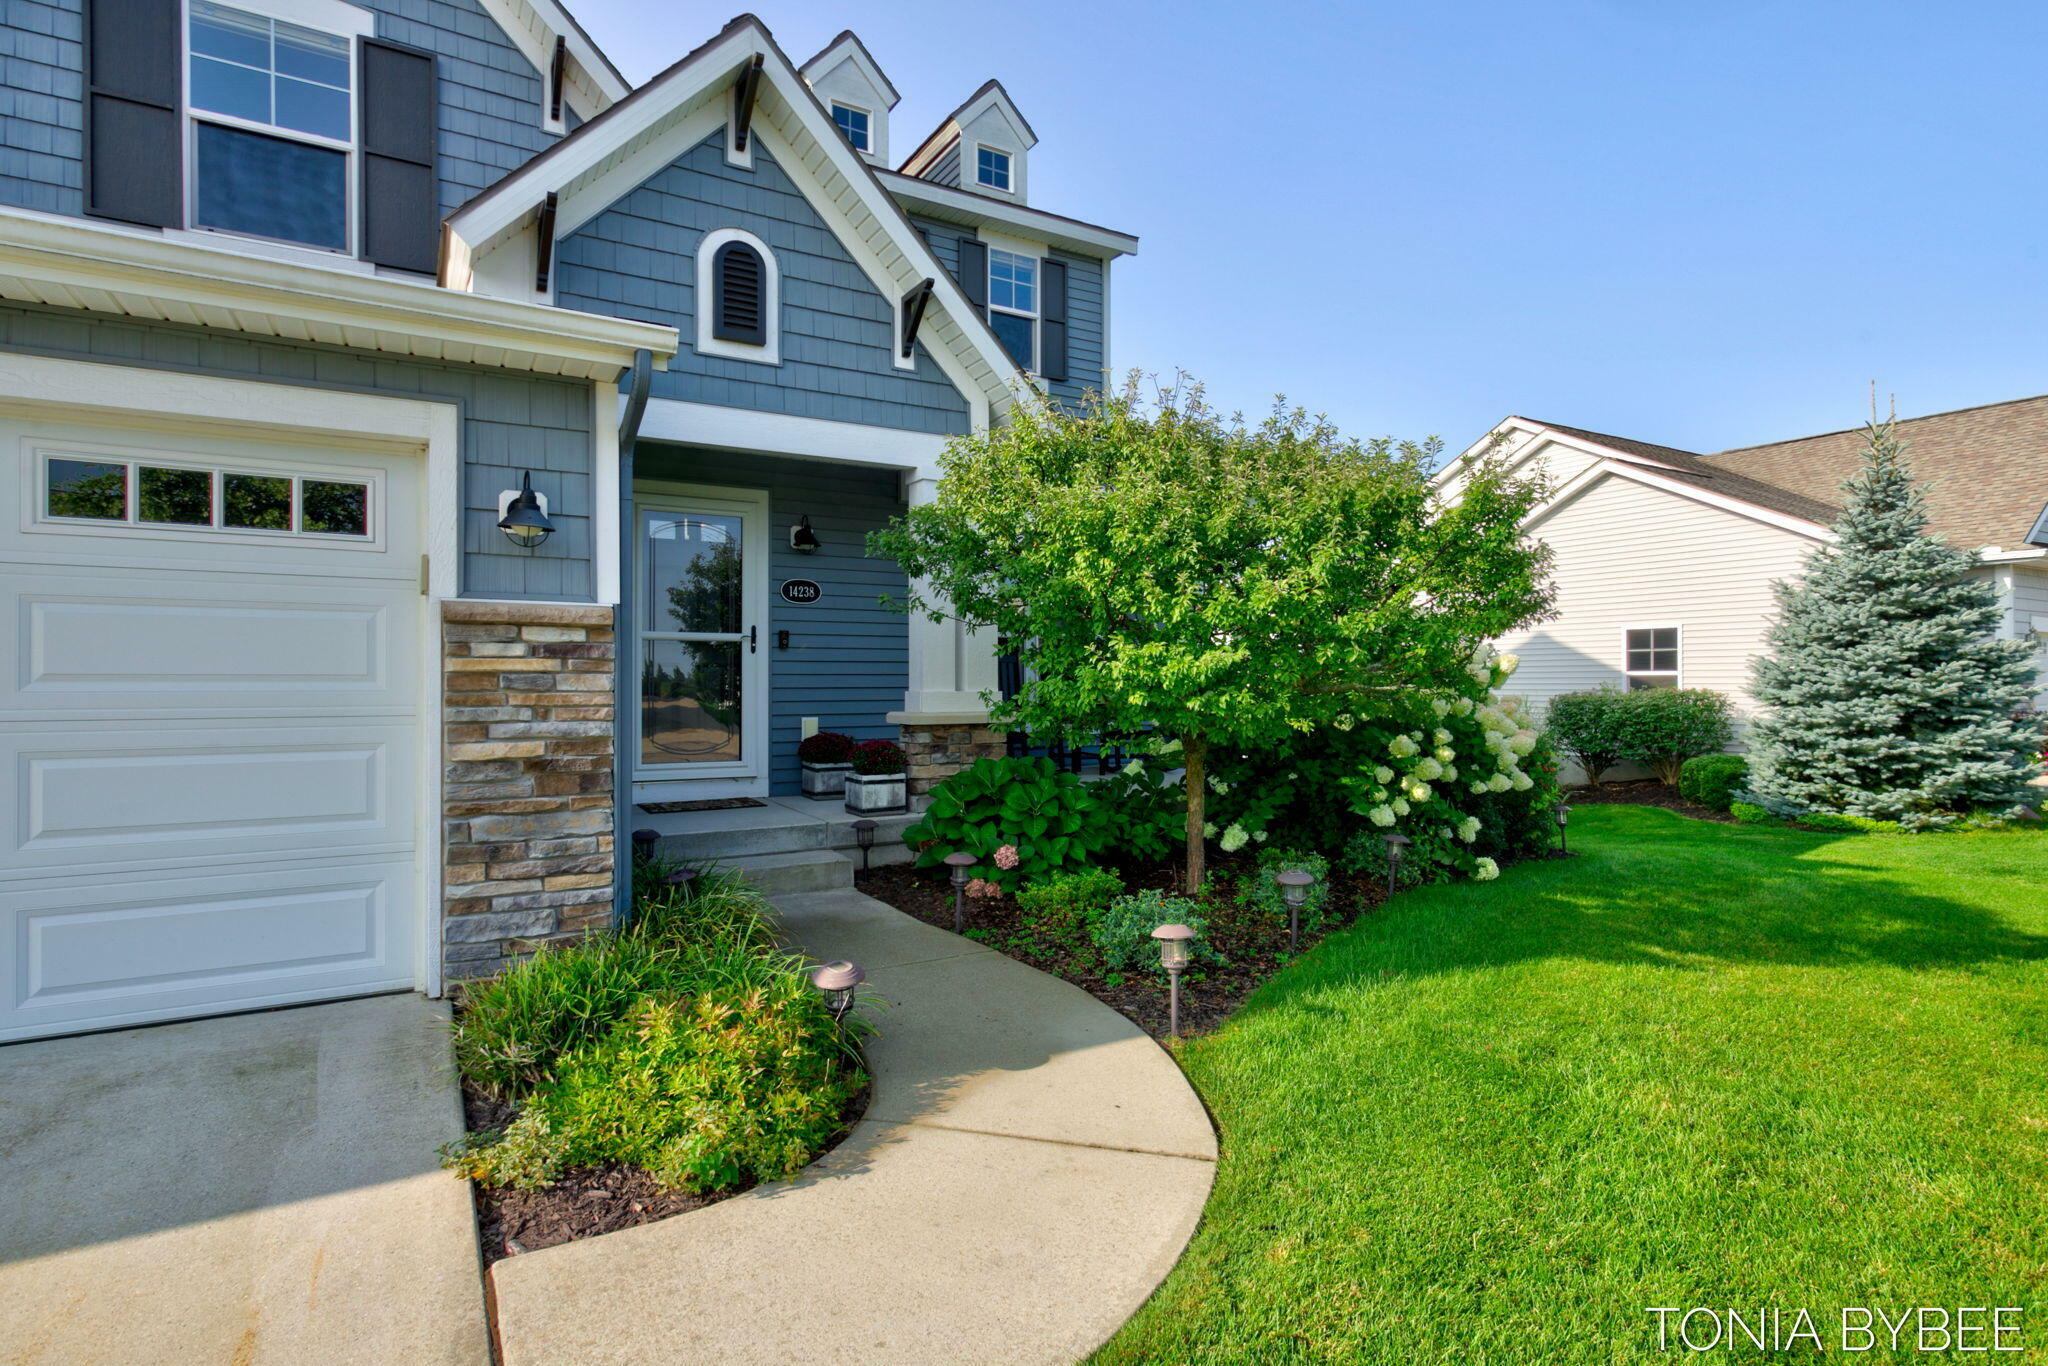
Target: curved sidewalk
1030,1167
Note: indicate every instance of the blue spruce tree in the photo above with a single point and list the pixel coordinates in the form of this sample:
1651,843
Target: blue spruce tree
1889,695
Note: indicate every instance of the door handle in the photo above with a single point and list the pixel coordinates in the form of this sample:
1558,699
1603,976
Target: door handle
753,639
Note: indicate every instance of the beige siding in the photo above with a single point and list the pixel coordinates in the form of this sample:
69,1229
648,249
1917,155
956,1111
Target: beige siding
1632,556
2029,605
1561,464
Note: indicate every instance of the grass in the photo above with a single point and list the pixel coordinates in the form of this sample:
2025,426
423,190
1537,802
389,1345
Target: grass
1700,1064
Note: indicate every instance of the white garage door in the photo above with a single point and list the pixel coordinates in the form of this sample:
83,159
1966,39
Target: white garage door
209,724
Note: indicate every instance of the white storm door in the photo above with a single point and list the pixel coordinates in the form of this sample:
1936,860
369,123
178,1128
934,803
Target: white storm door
702,582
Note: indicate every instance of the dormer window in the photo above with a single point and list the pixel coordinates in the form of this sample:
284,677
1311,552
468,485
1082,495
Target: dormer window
992,168
273,127
855,124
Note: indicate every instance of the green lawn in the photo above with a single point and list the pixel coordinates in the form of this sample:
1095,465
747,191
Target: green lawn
1699,1065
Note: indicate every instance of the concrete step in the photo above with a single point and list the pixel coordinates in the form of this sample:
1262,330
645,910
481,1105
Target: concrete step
744,834
808,870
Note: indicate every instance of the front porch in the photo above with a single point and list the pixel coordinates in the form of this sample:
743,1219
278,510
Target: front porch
784,845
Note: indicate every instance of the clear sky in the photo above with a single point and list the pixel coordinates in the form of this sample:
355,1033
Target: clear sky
1700,224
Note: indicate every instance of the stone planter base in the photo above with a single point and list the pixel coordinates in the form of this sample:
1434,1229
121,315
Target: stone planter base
875,794
825,780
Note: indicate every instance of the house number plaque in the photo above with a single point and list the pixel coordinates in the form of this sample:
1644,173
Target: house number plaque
801,591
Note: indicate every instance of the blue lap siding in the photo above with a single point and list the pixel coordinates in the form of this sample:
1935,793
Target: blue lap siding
637,259
848,661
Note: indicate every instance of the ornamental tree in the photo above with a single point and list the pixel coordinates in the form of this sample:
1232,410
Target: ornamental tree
1891,696
1160,567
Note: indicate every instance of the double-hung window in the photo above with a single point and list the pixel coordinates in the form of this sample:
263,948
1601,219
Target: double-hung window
992,168
272,126
855,124
1013,305
1651,657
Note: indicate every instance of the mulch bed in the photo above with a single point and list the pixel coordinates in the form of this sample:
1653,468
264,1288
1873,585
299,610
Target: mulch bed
587,1200
1645,792
1253,942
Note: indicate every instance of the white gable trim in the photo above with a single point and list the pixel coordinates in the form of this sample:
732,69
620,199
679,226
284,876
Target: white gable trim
1607,468
593,84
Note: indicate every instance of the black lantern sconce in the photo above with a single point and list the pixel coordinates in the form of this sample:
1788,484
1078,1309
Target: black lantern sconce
802,539
1397,849
524,518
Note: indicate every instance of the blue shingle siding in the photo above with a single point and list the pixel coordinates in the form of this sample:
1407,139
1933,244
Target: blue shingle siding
490,97
637,260
848,660
42,107
510,423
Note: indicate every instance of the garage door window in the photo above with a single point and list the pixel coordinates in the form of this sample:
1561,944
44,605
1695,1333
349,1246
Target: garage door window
173,496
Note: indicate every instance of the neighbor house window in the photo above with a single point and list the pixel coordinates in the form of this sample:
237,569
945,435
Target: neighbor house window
1652,657
273,126
854,123
1013,304
992,168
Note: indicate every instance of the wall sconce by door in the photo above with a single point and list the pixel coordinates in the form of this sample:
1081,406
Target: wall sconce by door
802,539
523,515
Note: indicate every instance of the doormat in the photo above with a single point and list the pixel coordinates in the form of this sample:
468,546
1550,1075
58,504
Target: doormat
713,804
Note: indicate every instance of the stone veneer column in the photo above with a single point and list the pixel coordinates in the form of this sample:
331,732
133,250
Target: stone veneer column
526,779
935,751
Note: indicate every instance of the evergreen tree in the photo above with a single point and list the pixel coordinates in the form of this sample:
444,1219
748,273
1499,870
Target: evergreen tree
1890,695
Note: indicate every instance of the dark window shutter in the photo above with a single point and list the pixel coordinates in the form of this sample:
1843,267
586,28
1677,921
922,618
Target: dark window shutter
401,199
1052,319
134,155
973,274
740,312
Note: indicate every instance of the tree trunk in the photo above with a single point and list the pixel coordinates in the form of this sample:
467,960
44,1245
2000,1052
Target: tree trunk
1195,749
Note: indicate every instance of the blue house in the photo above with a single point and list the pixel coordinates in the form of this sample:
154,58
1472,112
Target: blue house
433,450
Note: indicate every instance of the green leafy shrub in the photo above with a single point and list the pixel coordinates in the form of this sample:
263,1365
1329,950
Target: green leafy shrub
1141,816
1663,727
1122,930
1749,813
826,747
1043,812
1057,909
1262,890
875,757
702,1092
1587,726
1850,825
1712,780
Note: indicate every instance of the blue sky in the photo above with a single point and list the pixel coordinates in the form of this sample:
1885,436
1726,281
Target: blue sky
1705,225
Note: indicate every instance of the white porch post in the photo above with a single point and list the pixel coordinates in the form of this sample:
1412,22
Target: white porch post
950,666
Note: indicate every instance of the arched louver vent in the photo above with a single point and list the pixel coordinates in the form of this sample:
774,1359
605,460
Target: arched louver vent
740,312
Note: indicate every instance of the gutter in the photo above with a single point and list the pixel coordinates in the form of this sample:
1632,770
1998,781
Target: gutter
635,381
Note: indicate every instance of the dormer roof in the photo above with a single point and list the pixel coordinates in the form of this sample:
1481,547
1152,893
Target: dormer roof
848,47
991,96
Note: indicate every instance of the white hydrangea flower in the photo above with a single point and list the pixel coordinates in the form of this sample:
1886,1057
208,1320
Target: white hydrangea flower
1343,723
1506,665
1463,706
1383,774
1487,871
1218,786
1233,839
1426,770
1260,836
1522,741
1499,782
1444,754
1479,789
1420,792
1381,815
1439,706
1522,782
1209,830
1440,736
1468,829
1400,805
1134,766
1450,773
1401,747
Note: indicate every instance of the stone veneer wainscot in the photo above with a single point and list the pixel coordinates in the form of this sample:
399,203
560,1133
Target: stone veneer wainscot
934,751
526,779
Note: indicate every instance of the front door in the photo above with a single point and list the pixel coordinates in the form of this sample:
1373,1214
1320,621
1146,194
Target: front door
701,579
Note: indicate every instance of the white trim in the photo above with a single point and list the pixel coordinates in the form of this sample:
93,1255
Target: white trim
334,16
80,390
1009,168
769,352
745,429
1603,468
971,209
1677,675
834,106
750,776
604,493
1992,554
593,85
71,263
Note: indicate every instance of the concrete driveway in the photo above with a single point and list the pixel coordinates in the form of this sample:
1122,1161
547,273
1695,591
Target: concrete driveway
251,1190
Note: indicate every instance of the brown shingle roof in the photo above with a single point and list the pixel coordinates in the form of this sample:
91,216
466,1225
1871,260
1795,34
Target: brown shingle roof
1986,469
1692,468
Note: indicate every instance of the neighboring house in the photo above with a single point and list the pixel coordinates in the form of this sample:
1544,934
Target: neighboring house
296,296
1665,558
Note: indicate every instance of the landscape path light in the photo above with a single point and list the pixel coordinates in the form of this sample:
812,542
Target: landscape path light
960,862
836,982
682,879
1176,944
1294,885
864,836
643,844
1562,814
1397,849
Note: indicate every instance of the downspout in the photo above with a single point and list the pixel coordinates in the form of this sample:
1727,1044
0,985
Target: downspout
624,684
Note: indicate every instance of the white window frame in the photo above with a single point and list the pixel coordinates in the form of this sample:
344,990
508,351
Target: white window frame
769,352
333,17
1037,285
866,113
1676,675
1009,168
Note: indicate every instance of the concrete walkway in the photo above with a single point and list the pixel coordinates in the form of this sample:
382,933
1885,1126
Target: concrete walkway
251,1190
1029,1169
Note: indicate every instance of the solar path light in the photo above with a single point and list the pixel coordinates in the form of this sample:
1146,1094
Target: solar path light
1176,943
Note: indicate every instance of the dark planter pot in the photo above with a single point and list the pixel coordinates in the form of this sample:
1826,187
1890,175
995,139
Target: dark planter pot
871,794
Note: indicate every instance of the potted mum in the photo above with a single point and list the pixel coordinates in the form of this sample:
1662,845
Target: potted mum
827,758
878,782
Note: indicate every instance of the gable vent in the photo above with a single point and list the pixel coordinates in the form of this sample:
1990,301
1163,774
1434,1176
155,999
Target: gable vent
740,311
